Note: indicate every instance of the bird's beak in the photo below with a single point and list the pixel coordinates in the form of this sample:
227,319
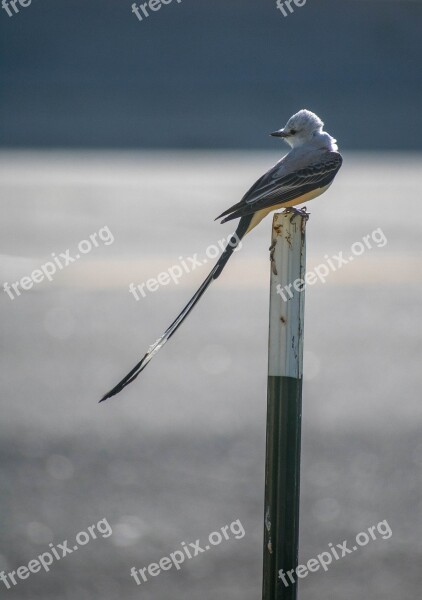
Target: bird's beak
280,133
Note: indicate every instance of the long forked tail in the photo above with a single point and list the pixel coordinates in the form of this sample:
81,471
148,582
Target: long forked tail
156,346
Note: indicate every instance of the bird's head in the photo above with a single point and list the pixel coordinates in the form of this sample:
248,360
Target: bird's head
300,128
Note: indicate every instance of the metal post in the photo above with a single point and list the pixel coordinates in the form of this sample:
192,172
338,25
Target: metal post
284,406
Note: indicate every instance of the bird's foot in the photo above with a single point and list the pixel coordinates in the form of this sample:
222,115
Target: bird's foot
302,212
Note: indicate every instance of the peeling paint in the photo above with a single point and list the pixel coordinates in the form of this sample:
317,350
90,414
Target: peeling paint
272,259
267,520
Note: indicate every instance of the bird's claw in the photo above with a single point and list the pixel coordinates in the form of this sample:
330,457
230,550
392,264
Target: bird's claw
302,212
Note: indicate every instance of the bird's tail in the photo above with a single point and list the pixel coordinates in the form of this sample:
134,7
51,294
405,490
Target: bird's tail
215,272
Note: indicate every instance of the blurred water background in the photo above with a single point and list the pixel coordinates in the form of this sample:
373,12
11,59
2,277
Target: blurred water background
181,452
152,129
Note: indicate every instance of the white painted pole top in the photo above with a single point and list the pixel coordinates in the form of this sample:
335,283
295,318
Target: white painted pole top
287,295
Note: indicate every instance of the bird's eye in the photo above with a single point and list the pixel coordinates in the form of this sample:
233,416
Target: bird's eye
292,131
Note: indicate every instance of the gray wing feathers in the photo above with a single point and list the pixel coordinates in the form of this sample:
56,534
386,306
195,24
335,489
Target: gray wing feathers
285,181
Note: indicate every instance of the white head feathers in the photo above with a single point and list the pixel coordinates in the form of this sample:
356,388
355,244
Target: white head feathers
305,127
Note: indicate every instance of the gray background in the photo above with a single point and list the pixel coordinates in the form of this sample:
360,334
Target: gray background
180,453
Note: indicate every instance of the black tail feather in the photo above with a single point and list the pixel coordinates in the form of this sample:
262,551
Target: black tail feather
140,366
221,263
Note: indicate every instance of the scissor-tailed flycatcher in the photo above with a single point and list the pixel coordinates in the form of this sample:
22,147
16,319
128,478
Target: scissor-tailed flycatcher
304,173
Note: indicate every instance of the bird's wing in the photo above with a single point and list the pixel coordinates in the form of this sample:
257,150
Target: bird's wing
278,186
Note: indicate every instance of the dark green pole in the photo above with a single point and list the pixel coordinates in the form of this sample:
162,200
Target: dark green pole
284,407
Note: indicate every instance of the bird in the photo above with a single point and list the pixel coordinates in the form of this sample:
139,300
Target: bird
304,173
